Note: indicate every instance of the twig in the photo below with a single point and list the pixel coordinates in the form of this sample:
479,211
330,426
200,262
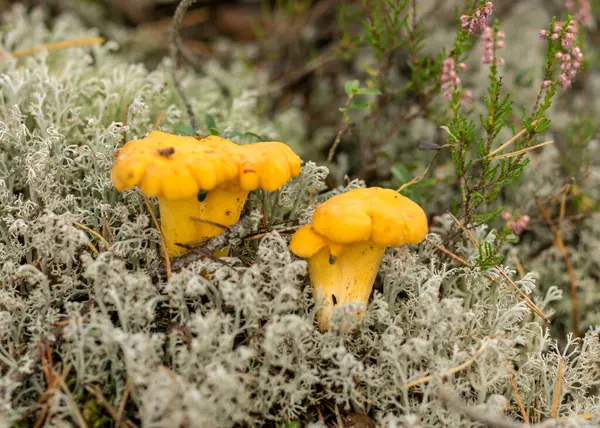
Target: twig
341,130
418,178
526,298
464,229
123,401
213,244
519,152
558,241
163,246
210,223
109,407
35,357
159,120
263,234
58,45
452,370
338,417
92,232
72,403
512,140
518,398
450,254
173,50
556,397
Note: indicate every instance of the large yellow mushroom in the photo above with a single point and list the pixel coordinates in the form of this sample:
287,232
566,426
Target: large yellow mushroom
347,240
207,179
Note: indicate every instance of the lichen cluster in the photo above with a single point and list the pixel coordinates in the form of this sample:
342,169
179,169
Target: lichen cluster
231,343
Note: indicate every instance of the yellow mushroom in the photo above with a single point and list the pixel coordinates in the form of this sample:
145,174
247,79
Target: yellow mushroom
207,179
347,240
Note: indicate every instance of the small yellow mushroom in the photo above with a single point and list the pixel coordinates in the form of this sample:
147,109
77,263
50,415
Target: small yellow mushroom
207,179
347,240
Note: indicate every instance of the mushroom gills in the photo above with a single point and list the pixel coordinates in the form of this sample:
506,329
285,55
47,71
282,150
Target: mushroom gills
349,279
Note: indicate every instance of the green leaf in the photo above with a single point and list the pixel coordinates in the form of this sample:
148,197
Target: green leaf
368,91
210,121
359,104
214,131
351,87
445,128
186,130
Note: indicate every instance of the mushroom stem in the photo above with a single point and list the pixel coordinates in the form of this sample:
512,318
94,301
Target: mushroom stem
222,205
347,277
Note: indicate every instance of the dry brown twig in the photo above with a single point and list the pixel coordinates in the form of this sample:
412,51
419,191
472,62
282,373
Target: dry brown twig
556,397
517,290
518,398
453,370
418,178
559,243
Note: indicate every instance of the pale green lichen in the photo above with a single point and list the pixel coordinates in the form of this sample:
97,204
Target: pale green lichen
229,344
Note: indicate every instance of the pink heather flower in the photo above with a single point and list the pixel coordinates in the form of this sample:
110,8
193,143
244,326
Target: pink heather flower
488,46
450,80
543,34
518,226
466,97
478,21
546,83
462,66
581,10
506,215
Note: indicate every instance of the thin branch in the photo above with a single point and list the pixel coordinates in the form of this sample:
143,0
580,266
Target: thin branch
209,222
450,254
526,298
418,178
558,241
512,140
464,229
95,391
452,370
163,245
518,398
92,232
341,130
263,234
213,244
519,152
182,8
123,401
72,403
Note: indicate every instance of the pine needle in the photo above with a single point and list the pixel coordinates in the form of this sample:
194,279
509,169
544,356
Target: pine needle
520,152
58,45
556,397
453,370
518,398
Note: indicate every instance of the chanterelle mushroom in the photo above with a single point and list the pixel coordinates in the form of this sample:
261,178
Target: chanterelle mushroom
207,178
347,240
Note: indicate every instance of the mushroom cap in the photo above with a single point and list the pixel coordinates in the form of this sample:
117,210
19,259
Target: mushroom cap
178,167
382,216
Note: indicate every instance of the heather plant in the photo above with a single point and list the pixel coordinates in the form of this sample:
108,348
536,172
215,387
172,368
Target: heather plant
474,326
